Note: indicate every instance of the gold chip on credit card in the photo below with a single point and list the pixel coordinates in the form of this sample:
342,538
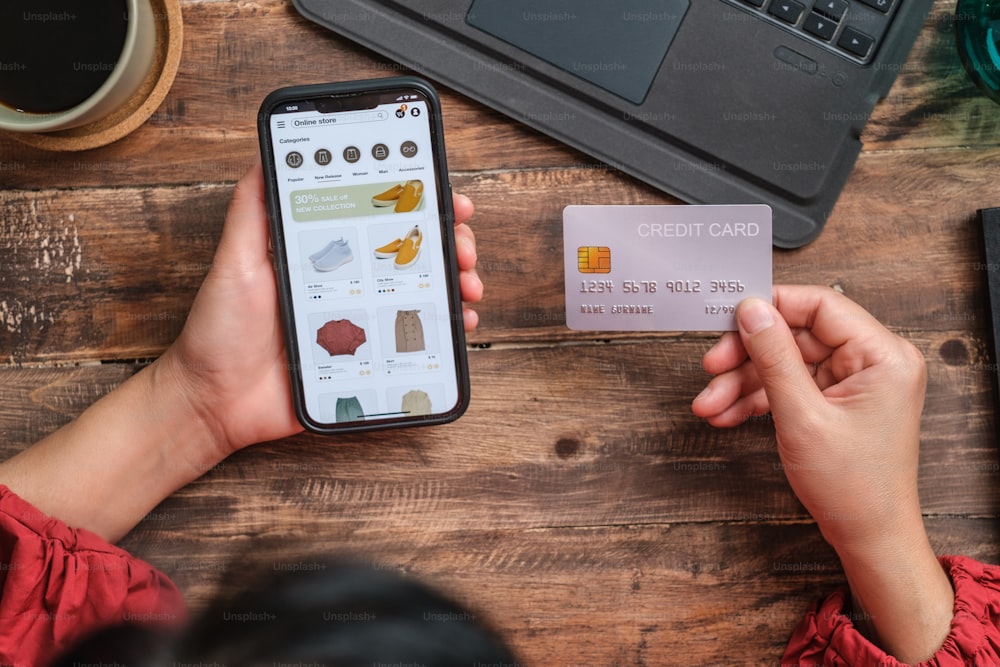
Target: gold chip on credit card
594,259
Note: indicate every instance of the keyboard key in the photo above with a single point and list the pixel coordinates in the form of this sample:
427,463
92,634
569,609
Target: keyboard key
882,5
832,9
788,11
855,42
755,3
820,26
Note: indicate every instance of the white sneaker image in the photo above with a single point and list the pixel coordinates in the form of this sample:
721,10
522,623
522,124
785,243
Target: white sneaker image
316,255
332,257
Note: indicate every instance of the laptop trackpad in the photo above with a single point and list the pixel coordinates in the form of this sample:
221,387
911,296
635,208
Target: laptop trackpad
616,45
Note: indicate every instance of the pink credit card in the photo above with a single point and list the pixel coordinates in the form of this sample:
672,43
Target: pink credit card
664,268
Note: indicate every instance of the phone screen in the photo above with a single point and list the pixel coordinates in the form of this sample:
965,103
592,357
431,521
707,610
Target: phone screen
367,256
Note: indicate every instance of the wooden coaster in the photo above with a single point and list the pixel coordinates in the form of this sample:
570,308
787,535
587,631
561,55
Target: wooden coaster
139,107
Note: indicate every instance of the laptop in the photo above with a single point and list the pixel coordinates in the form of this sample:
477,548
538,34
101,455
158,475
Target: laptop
711,101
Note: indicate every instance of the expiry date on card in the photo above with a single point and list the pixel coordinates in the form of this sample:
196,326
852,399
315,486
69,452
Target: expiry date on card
664,268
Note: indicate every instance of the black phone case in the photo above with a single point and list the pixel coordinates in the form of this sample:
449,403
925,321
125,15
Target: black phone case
447,219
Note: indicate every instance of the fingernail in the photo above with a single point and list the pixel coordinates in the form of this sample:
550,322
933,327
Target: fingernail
704,393
755,316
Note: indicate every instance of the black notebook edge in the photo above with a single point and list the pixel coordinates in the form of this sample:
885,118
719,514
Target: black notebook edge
989,223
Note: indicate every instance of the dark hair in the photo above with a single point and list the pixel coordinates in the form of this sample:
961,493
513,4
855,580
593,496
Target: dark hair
338,616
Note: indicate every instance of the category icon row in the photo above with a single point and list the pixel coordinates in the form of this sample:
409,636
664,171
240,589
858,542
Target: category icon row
351,154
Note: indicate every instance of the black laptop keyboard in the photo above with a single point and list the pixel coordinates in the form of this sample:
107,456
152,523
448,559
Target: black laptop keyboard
852,28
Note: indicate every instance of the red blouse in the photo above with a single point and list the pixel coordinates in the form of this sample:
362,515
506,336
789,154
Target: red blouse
58,583
826,636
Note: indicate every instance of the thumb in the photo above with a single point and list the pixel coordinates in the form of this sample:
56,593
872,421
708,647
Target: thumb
245,236
790,388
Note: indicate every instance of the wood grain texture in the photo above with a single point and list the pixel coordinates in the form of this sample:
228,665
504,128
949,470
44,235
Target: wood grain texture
578,506
665,594
111,272
575,435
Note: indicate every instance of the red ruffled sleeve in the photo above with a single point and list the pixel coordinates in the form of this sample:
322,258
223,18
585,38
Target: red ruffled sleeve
58,583
827,636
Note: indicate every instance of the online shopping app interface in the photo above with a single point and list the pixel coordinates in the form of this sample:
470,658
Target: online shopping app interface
359,209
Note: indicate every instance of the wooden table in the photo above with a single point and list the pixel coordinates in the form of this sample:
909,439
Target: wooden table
578,506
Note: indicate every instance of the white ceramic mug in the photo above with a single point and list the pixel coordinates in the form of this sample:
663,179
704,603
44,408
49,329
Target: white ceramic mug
126,77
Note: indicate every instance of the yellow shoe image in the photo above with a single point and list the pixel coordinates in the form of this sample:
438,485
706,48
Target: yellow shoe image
389,249
389,197
410,249
409,198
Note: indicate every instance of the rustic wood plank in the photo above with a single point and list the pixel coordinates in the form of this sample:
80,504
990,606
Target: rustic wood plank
697,594
593,435
624,596
102,269
111,273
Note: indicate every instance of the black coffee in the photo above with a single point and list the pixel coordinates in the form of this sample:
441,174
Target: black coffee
55,54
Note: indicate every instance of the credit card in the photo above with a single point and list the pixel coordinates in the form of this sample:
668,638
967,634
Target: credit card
664,268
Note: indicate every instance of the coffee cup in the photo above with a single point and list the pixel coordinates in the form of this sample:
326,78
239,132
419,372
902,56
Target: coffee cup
66,63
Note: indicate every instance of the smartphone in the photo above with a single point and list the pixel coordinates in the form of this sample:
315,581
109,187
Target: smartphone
362,230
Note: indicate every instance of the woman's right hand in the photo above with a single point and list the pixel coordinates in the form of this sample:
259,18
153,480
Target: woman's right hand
846,396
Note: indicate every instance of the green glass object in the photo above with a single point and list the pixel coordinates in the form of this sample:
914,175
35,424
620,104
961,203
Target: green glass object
977,33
